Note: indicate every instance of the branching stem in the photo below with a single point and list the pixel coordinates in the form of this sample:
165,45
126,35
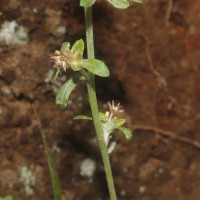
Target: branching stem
94,106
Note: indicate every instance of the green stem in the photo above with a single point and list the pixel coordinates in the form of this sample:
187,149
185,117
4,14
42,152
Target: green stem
94,106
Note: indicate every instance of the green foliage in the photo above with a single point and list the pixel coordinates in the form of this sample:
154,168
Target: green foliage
64,46
127,132
78,47
122,4
82,117
109,125
66,59
7,197
87,3
138,1
75,67
65,90
97,67
103,117
56,75
120,122
53,173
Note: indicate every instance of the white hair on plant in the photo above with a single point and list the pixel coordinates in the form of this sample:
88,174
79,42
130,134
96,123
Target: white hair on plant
109,138
109,125
111,121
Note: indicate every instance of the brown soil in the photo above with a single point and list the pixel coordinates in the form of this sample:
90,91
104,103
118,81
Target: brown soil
152,51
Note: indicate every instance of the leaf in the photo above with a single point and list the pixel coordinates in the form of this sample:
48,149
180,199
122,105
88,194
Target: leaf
127,132
138,1
56,75
52,169
53,172
103,117
87,3
121,4
78,47
96,67
64,46
82,117
120,122
75,67
8,197
65,90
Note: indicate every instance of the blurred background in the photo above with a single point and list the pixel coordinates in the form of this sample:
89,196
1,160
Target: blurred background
152,51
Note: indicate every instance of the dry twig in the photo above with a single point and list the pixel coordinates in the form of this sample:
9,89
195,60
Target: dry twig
169,10
168,134
161,80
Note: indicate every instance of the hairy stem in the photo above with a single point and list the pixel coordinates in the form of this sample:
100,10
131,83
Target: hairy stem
94,106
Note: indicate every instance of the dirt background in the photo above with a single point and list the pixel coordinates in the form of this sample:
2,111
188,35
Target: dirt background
153,52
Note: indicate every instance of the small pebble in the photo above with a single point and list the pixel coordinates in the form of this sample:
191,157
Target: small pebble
87,168
142,189
160,170
123,193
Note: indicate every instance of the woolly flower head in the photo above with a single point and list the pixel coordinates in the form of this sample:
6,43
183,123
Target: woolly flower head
67,58
114,110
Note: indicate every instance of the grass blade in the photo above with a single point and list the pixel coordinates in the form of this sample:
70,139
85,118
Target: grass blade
53,173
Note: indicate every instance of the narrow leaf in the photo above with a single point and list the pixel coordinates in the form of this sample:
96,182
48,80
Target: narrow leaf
53,172
78,47
52,169
121,4
87,3
127,132
82,117
64,46
56,75
120,122
65,90
96,67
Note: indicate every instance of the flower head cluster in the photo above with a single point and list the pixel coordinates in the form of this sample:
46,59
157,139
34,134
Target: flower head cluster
60,60
68,58
115,110
73,58
111,122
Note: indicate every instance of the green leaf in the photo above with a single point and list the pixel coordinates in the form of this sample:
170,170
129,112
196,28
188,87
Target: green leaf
78,47
87,3
121,4
138,1
8,197
65,90
64,46
52,169
127,132
53,173
96,67
82,117
120,122
75,67
56,75
103,117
